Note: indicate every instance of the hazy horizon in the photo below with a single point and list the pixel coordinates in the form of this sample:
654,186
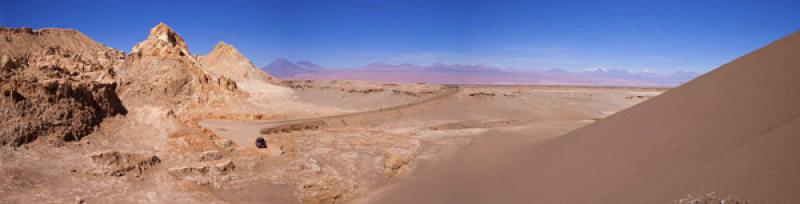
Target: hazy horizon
635,36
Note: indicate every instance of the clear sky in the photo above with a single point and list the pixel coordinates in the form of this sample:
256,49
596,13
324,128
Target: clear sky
636,35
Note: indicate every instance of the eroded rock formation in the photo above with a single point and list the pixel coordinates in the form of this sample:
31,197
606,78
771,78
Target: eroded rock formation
225,61
56,84
162,42
115,163
205,173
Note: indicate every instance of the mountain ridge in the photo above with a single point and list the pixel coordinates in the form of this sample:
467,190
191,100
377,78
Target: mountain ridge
474,74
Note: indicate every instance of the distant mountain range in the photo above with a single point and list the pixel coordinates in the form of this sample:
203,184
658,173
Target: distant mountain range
473,74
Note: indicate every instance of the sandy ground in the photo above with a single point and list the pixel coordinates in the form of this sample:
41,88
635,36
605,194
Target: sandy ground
729,136
187,136
480,155
353,148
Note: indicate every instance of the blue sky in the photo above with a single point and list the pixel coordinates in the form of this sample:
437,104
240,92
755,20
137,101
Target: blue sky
662,36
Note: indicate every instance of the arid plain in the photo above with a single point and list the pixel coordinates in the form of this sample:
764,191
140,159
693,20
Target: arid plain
85,123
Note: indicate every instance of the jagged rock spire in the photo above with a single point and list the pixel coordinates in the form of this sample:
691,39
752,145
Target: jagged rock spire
162,42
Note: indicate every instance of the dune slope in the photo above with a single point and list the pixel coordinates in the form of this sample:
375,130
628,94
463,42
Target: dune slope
732,132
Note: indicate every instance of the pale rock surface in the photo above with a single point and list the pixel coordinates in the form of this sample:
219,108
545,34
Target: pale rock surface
115,163
162,42
160,71
210,155
205,173
396,162
226,61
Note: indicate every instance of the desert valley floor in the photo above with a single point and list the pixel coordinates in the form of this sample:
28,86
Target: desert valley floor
378,136
362,151
86,123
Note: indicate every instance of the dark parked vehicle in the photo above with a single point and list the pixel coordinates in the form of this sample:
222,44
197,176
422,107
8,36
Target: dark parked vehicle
261,143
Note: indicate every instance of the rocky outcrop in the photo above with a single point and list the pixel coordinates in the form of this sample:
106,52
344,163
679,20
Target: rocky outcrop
162,42
226,62
226,83
326,189
205,173
56,84
396,162
57,109
160,71
210,156
114,163
60,84
324,184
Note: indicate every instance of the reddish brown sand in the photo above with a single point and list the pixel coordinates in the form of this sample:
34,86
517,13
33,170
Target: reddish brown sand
734,131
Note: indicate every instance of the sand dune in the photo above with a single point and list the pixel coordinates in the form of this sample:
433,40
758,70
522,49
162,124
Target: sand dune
90,124
732,132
